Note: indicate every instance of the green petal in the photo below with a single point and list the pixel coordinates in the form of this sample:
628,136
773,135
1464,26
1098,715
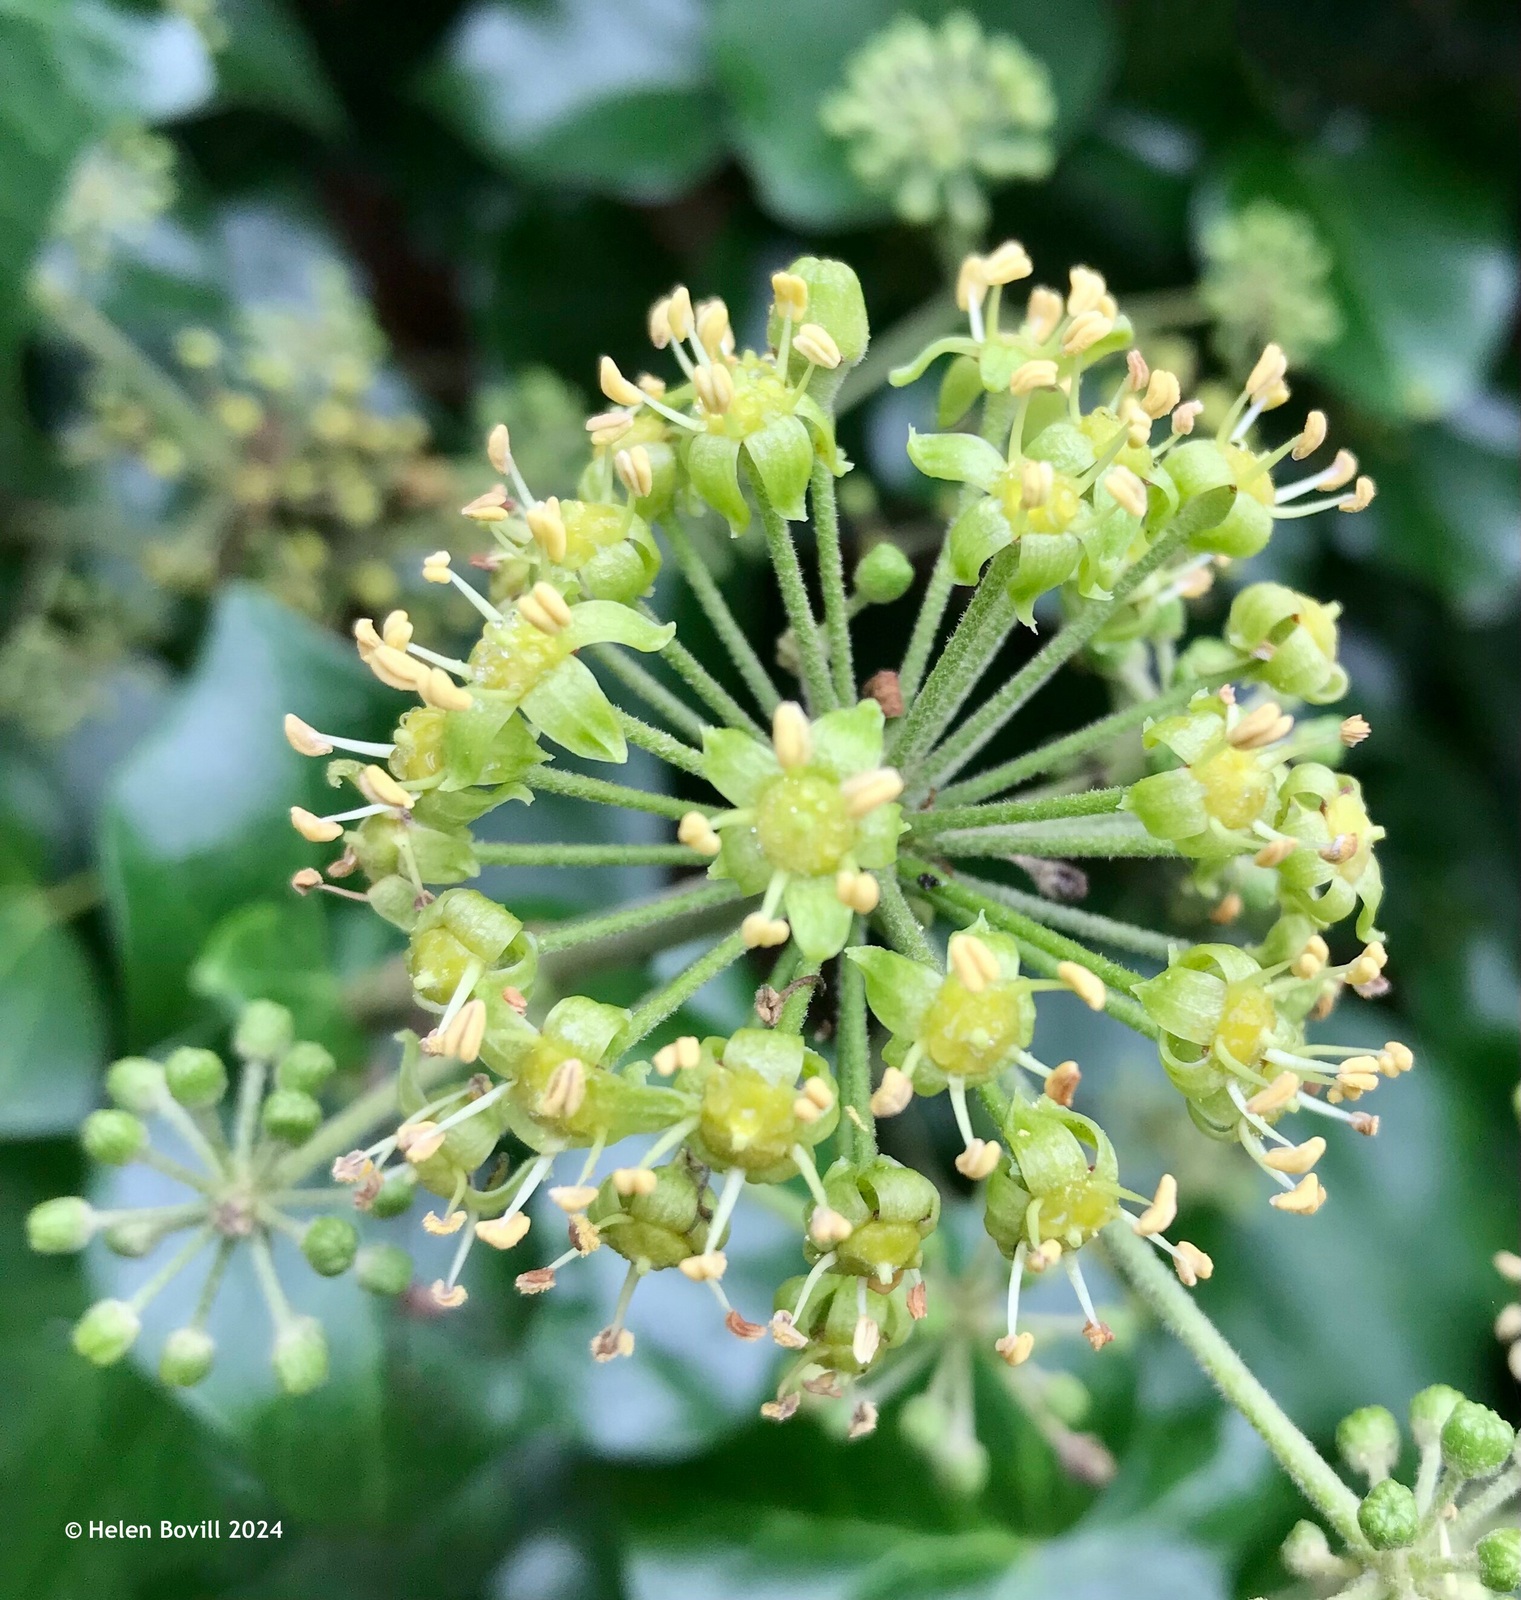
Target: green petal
978,534
960,390
713,467
776,1057
586,1027
899,991
877,835
1065,446
1170,805
607,622
1183,1002
782,455
820,924
849,741
956,458
955,344
570,708
1046,560
738,766
822,426
1046,1151
617,572
489,743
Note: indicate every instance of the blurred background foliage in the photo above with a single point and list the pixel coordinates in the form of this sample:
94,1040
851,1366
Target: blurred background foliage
266,268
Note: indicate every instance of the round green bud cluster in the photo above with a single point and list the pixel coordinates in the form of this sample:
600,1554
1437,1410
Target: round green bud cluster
1475,1440
60,1227
1499,1553
1389,1516
396,1193
106,1332
264,1031
883,574
136,1084
187,1357
330,1244
1429,1411
305,1067
384,1269
300,1356
196,1078
1369,1441
113,1137
291,1115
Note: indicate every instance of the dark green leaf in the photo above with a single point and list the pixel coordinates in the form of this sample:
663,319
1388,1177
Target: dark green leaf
268,63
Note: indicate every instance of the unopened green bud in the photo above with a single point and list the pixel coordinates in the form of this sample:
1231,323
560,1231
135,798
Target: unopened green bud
1389,1516
961,1463
196,1077
1307,1552
132,1236
1476,1440
924,1421
1369,1441
1499,1553
300,1356
329,1244
60,1227
395,1193
112,1137
883,574
135,1083
305,1066
291,1115
186,1357
1429,1411
264,1031
383,1269
105,1333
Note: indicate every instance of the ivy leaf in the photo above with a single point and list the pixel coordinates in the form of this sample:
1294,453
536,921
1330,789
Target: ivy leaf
269,63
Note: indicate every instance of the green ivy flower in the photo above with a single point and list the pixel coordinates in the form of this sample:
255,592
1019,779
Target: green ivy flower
1292,638
1335,868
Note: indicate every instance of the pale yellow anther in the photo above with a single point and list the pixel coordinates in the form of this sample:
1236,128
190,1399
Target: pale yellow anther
805,1110
396,630
632,1182
1277,396
715,388
608,427
1401,1057
1127,490
708,1267
679,312
381,789
1363,492
1186,415
445,1296
355,1167
573,1196
1263,725
865,1340
1271,368
566,1090
1035,482
866,791
827,1227
1160,1215
1162,394
1191,1264
1341,471
499,448
546,523
1043,311
488,507
818,1091
1085,331
1196,582
396,668
713,332
681,1055
654,387
858,890
1311,436
1275,852
366,639
1044,1256
1304,1199
1354,729
1306,964
435,568
1281,1092
1061,1086
760,932
893,1094
635,471
791,293
1086,985
441,692
502,1233
585,1235
615,386
971,282
450,1222
544,608
1296,1159
791,737
1318,947
659,324
697,833
303,738
417,1141
1015,1348
314,829
1342,848
1033,375
463,1037
1508,1264
817,345
972,961
1088,288
305,879
1137,370
1007,264
784,1331
979,1158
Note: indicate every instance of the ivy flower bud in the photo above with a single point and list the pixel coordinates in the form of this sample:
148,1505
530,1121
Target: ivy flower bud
1475,1440
136,1084
264,1031
1499,1553
1429,1411
383,1269
291,1115
300,1356
106,1332
60,1227
187,1357
305,1065
329,1245
1389,1516
1369,1441
113,1137
195,1077
883,574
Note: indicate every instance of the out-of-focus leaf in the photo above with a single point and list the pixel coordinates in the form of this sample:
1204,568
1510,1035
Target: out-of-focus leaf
609,95
1116,1564
196,824
269,64
1424,273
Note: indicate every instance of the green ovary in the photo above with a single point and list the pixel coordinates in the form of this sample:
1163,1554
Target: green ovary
746,1121
803,825
516,657
1236,787
419,749
971,1035
1245,1021
437,961
1075,1212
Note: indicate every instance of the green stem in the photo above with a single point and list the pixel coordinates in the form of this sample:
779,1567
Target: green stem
269,1282
789,577
1488,1501
1057,752
896,919
668,907
1003,844
989,717
246,1118
652,1011
1070,919
209,1290
707,688
1171,1303
716,609
662,745
853,1063
553,781
652,691
997,417
1090,803
937,317
826,527
171,1269
795,1008
586,855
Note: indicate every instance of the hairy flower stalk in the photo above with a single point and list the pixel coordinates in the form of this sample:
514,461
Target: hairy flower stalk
827,837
